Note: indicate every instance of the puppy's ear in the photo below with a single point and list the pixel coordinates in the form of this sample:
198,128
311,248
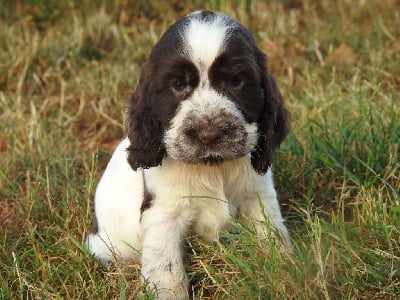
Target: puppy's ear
273,124
144,130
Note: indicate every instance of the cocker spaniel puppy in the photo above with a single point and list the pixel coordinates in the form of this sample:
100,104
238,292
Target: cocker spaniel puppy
203,124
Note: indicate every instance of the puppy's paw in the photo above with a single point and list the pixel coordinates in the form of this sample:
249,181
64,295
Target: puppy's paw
166,285
97,246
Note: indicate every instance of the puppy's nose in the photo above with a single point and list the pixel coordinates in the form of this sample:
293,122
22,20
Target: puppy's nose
209,135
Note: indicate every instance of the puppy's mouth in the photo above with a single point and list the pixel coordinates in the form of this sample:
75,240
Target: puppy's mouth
212,160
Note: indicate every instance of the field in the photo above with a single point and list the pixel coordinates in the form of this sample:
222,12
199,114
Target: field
67,69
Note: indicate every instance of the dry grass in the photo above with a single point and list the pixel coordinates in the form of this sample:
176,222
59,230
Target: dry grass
66,72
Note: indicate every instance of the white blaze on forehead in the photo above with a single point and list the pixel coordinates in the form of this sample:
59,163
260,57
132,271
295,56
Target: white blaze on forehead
205,39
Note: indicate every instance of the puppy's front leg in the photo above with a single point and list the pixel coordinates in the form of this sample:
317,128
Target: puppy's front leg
162,256
261,205
262,211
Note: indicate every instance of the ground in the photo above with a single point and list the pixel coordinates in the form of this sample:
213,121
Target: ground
67,69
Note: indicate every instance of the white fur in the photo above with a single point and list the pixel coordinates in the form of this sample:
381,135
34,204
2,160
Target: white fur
200,33
187,198
117,205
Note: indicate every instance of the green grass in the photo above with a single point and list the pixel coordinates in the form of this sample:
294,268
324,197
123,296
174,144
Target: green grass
67,69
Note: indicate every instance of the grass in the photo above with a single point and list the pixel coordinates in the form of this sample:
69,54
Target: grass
66,72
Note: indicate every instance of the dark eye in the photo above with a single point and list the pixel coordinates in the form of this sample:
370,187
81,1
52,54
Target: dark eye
179,85
235,81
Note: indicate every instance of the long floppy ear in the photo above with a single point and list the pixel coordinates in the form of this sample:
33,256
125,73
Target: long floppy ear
273,124
144,130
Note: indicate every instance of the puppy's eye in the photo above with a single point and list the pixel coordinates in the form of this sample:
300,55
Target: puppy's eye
235,81
179,85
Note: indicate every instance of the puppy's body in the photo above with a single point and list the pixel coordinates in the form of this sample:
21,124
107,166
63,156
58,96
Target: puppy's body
202,124
187,198
208,195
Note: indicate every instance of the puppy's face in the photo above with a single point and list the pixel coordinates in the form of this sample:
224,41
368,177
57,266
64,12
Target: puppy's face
205,96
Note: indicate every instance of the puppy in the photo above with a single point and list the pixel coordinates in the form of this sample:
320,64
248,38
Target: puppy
203,124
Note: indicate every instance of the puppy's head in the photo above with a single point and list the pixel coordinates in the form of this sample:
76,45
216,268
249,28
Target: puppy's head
205,95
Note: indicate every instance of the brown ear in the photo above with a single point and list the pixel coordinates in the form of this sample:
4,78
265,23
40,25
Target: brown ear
144,130
273,124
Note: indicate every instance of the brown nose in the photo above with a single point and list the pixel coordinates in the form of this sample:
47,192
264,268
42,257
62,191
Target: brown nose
209,135
206,135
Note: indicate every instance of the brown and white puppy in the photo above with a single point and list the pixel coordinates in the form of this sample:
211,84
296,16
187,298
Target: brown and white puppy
203,124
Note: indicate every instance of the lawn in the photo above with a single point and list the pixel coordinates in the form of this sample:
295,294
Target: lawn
67,69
